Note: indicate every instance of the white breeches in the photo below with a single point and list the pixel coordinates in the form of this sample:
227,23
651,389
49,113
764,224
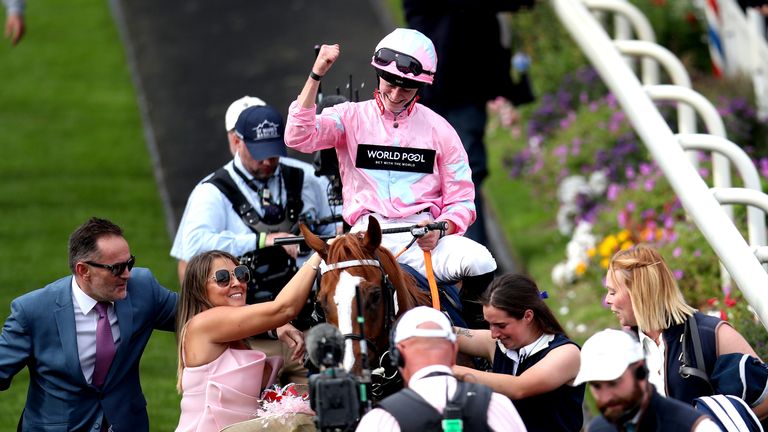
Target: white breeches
453,258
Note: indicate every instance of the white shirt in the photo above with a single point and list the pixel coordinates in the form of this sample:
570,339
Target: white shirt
654,361
86,319
532,348
209,221
502,415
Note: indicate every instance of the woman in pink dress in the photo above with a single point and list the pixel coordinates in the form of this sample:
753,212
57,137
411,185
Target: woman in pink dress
219,377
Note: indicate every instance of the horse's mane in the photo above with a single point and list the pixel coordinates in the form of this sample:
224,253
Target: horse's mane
350,247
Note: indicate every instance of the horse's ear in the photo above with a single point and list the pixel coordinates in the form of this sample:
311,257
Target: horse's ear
373,236
316,243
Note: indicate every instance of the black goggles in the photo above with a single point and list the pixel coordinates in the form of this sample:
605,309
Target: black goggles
222,277
117,268
398,81
404,62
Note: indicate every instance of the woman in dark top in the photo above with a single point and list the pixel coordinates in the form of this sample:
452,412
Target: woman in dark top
534,362
643,294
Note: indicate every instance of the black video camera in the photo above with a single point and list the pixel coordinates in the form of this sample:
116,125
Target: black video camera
338,398
333,395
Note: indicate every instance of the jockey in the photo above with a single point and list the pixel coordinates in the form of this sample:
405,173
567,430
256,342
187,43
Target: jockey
400,162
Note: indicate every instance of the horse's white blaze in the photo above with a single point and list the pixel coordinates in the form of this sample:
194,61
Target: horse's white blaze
345,293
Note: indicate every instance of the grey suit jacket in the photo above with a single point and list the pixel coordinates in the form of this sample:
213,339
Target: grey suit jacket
40,334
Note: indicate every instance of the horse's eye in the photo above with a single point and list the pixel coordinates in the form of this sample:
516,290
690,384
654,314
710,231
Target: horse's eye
374,298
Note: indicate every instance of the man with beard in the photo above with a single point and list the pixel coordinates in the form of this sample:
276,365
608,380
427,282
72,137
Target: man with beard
613,365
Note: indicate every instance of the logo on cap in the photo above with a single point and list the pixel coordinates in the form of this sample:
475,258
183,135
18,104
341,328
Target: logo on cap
266,130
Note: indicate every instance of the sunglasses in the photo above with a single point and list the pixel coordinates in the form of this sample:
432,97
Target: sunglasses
404,62
223,279
116,269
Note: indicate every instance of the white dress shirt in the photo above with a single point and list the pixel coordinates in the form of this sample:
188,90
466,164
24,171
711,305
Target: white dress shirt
654,361
86,318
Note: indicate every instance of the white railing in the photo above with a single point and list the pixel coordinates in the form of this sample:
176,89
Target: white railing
742,261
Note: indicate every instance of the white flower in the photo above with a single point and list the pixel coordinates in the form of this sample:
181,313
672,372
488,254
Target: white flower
571,187
598,183
565,218
558,274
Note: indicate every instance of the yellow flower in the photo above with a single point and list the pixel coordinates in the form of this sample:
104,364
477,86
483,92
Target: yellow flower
605,262
591,252
608,246
626,245
581,268
623,235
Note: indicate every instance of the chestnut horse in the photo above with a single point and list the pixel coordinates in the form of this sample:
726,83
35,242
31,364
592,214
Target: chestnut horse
357,262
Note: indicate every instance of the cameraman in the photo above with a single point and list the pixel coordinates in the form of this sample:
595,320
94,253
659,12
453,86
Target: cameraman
424,347
276,190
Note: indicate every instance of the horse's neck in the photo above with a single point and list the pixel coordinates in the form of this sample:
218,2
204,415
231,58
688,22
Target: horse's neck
408,294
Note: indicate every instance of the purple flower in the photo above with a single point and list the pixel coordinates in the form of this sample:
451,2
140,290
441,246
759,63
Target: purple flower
576,149
629,171
678,274
764,167
676,252
630,206
621,219
648,185
613,192
669,222
697,253
645,168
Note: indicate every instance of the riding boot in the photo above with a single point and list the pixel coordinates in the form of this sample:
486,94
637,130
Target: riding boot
472,287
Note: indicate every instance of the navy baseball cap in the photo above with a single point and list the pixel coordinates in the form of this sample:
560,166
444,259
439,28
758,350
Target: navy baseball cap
261,128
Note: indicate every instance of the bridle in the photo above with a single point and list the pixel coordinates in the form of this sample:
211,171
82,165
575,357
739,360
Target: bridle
388,294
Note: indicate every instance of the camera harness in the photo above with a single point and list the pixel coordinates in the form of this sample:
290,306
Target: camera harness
293,180
466,410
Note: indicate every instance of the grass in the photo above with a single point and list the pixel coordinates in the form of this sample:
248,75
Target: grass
72,147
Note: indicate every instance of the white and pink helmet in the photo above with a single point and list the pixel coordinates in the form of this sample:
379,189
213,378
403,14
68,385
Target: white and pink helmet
406,54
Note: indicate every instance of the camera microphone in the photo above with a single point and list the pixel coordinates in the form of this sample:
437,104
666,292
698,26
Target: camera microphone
325,345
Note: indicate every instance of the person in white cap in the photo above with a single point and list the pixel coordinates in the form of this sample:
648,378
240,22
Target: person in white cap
233,112
613,365
424,349
257,197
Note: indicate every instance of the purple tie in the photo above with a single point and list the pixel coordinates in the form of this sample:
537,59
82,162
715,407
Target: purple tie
105,345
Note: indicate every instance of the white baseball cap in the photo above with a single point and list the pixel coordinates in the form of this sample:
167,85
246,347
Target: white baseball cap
234,110
606,355
407,326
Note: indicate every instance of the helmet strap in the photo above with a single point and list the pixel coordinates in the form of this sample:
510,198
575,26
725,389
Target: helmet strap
379,103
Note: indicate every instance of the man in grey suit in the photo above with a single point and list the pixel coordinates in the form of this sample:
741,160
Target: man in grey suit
82,337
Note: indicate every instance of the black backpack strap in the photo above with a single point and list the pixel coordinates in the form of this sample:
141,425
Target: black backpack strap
223,182
293,178
412,412
691,336
473,400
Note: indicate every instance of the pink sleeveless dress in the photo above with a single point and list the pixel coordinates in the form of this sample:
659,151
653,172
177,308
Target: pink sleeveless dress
224,391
